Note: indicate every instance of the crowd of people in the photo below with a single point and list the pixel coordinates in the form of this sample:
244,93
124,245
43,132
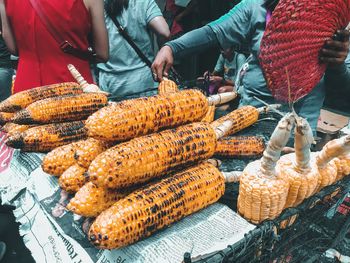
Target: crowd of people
104,39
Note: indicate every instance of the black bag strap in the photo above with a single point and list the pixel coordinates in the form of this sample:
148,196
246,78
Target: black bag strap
122,31
64,45
127,37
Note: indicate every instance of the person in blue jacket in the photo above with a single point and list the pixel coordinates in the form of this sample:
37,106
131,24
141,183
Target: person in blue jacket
244,25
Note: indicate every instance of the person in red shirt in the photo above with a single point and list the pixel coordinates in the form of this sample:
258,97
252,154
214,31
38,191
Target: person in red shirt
41,60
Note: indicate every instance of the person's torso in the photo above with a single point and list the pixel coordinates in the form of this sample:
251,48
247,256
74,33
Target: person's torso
122,57
41,61
5,56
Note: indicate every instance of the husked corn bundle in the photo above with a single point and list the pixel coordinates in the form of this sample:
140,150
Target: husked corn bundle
61,109
132,118
240,147
262,191
242,118
12,128
45,138
22,99
73,178
167,86
88,150
157,206
343,166
60,159
326,163
296,168
5,117
148,157
209,116
90,200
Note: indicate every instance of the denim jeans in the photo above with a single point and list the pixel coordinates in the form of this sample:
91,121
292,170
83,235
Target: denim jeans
5,82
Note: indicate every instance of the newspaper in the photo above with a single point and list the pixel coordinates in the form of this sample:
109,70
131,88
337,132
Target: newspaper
54,234
15,170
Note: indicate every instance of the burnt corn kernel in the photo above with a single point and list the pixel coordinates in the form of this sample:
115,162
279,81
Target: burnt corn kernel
73,178
22,99
132,118
91,200
205,186
148,161
61,109
240,147
167,86
45,138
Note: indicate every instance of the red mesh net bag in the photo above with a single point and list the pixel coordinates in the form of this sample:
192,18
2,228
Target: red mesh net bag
292,42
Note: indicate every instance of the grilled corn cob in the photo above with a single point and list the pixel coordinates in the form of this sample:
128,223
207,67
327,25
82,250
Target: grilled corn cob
242,118
60,109
5,117
90,200
22,99
154,207
167,86
12,128
47,137
262,191
145,158
137,117
240,147
60,159
73,178
209,116
88,150
296,169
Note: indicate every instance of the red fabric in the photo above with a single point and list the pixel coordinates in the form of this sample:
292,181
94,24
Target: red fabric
176,28
41,61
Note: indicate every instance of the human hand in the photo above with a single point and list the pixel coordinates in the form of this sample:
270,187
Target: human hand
162,63
224,89
216,80
335,51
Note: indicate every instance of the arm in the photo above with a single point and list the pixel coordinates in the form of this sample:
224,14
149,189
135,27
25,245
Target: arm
230,30
336,54
160,27
7,32
99,31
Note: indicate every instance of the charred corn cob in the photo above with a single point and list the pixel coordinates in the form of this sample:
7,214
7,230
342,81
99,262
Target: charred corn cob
90,200
12,128
240,147
73,178
209,116
262,191
88,150
145,158
60,159
22,99
137,117
167,86
242,118
47,137
60,109
154,207
5,117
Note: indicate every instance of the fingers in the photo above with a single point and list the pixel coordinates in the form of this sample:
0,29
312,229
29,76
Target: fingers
224,89
162,63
